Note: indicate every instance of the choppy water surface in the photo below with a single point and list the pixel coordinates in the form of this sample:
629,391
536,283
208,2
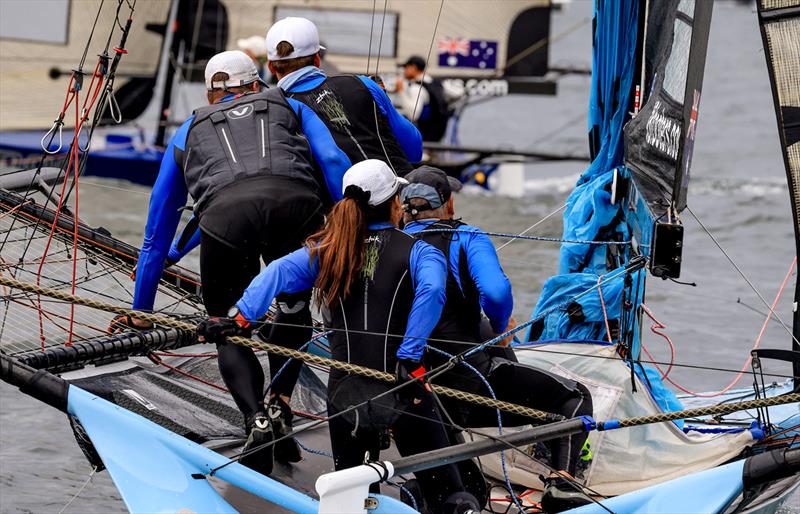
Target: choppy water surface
738,191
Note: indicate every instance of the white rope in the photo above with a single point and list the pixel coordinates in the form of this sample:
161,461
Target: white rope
85,484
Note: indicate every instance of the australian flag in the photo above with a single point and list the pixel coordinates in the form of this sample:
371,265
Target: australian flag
467,53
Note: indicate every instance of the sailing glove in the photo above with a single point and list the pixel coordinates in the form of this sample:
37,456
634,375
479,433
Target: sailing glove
215,330
126,322
408,370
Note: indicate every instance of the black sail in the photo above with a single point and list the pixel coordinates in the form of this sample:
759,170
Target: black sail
660,139
780,31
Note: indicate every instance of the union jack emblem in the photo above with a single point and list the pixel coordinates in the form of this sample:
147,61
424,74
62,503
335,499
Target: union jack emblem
453,45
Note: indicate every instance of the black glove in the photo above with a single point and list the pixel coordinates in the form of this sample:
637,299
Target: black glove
408,370
215,330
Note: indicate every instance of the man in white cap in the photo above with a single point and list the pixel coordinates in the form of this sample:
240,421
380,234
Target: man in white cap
258,168
256,48
355,108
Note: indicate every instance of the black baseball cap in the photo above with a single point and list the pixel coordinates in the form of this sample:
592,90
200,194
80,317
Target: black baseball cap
417,61
431,184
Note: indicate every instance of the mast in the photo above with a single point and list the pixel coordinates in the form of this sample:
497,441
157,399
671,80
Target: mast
780,32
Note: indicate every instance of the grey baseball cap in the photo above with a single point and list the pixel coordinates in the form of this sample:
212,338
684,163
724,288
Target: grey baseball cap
431,184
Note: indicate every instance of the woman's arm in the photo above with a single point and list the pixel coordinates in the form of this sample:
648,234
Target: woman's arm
289,274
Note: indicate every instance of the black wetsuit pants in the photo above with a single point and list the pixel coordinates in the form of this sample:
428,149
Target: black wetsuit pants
418,431
528,386
264,223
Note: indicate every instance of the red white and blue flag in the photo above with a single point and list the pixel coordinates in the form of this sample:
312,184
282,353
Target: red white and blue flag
457,52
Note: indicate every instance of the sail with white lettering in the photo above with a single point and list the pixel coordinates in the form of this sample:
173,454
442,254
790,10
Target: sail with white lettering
660,138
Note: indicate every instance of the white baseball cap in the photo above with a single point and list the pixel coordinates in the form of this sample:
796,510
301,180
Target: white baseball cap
256,45
299,32
240,68
376,178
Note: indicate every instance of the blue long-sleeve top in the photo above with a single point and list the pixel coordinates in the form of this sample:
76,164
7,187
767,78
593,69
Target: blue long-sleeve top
170,194
297,272
406,133
494,288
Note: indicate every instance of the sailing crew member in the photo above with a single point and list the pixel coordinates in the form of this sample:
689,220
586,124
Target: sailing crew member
362,119
422,99
256,49
374,282
246,160
476,283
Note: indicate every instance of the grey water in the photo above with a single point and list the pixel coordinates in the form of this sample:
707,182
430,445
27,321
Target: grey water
738,191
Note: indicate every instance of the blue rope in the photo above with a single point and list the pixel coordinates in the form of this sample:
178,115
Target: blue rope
408,493
499,423
531,238
481,347
288,361
314,450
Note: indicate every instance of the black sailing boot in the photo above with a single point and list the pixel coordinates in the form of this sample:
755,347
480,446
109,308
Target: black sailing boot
559,495
259,432
280,415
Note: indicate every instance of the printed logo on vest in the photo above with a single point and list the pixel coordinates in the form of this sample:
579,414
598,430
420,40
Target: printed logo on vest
242,112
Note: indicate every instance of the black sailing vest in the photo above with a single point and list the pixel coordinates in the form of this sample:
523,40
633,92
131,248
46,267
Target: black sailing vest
255,135
434,126
461,316
359,128
379,303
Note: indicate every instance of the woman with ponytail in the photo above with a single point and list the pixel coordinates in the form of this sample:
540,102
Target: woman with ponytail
381,292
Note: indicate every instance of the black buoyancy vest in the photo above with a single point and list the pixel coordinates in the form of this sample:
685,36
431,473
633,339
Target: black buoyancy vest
434,126
359,128
257,134
369,324
461,315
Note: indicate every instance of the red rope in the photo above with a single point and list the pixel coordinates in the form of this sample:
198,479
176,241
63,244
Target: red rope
656,329
73,165
749,356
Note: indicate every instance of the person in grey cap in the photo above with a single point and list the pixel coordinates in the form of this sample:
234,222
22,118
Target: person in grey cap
477,286
259,168
381,292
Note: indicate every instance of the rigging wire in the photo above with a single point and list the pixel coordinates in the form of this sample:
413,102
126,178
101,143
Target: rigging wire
533,238
743,275
532,227
747,361
428,58
371,30
91,35
380,41
538,45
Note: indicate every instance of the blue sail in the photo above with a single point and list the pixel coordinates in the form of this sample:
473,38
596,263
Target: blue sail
595,212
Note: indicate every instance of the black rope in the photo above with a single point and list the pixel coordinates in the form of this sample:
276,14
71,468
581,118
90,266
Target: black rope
91,35
430,49
371,30
380,41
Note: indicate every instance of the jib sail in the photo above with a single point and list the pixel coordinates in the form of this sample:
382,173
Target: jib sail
659,140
